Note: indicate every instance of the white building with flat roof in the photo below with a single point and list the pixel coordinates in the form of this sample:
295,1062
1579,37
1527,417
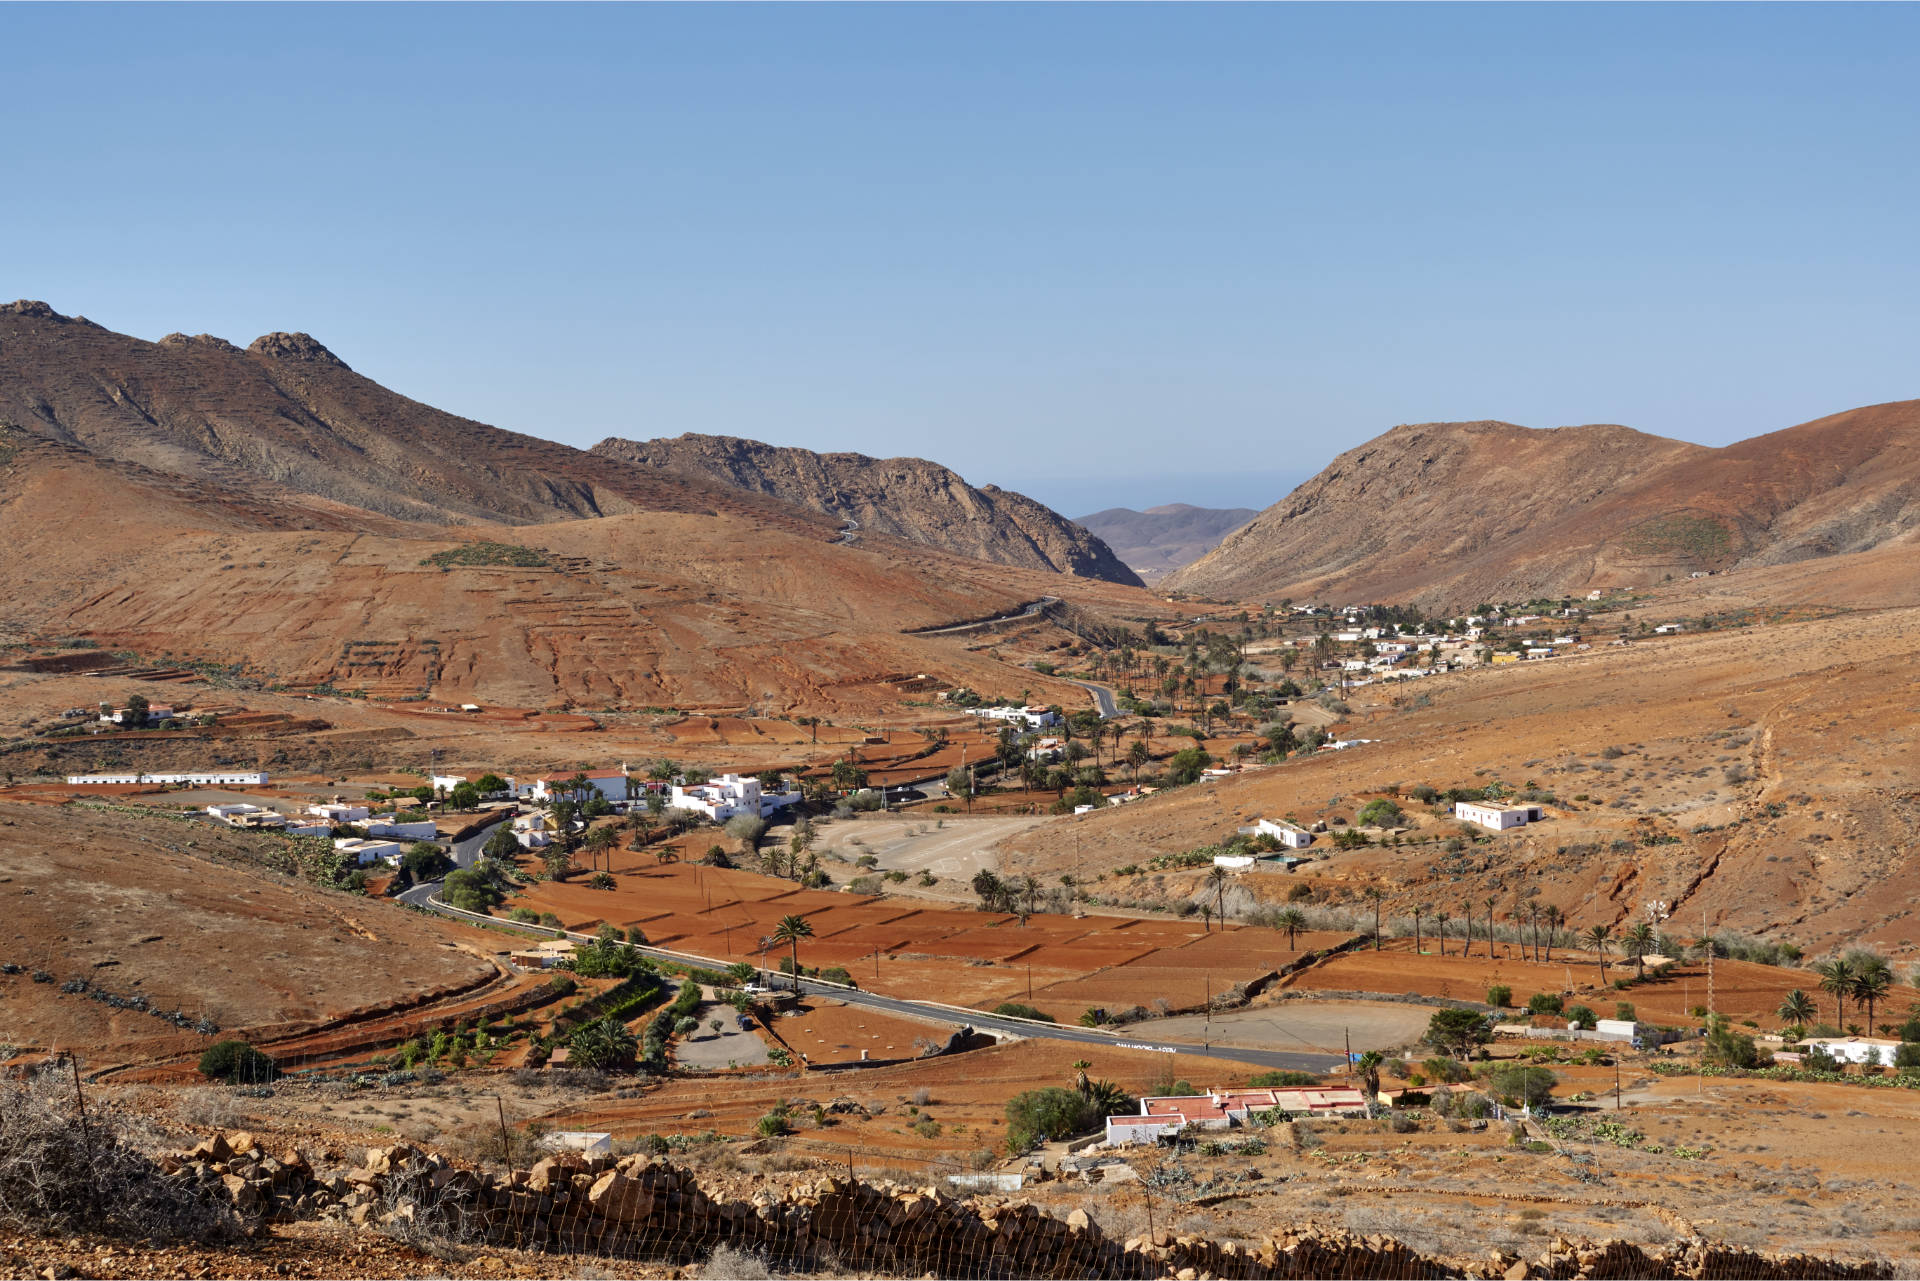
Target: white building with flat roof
728,796
366,852
211,778
1288,834
1497,818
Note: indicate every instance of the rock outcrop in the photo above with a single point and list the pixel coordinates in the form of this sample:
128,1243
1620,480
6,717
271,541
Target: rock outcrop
909,498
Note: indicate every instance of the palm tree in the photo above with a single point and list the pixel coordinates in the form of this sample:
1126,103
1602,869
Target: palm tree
1798,1009
1440,920
790,931
1836,976
1218,879
1554,918
1137,756
1466,919
1369,1066
1487,902
1080,1082
1378,895
1872,979
1533,925
1419,910
1290,919
1596,938
1638,941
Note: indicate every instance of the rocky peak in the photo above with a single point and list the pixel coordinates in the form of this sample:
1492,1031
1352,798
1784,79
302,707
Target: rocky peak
197,340
295,346
35,310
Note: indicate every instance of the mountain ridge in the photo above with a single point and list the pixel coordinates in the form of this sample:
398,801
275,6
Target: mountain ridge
1448,514
911,498
1158,540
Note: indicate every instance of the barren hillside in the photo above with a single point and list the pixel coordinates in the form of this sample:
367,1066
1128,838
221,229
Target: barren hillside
909,498
1449,514
663,609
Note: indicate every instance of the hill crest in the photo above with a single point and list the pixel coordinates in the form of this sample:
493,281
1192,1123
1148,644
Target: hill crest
910,498
1453,513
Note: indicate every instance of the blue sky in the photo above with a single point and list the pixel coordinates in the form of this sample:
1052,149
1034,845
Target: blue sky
1103,254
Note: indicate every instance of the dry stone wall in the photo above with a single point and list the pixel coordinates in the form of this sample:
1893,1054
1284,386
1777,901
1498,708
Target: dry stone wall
641,1208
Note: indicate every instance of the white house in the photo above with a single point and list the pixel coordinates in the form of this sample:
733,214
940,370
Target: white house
1141,1129
531,831
366,852
608,785
1233,862
391,825
1667,629
230,778
729,795
341,812
1856,1049
1032,716
1294,838
244,815
446,782
157,714
1497,818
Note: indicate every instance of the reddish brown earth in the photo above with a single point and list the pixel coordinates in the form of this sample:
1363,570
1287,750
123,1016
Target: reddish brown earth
181,914
1491,511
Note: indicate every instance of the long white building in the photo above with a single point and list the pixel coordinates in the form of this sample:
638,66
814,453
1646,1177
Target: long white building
212,778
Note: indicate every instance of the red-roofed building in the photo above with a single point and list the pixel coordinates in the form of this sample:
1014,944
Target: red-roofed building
1219,1109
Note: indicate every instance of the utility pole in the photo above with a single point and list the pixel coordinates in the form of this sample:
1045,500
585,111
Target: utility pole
79,1098
506,1147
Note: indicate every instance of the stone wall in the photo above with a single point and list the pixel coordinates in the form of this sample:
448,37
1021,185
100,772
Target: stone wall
641,1208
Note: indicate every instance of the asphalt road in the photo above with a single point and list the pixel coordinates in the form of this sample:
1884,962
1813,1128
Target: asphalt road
1102,697
979,1020
1025,611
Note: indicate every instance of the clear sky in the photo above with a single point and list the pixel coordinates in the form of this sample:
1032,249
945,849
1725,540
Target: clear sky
1102,254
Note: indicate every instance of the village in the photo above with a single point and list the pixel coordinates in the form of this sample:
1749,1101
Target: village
864,911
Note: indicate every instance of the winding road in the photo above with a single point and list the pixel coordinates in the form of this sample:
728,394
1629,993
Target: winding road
423,896
1029,610
1103,699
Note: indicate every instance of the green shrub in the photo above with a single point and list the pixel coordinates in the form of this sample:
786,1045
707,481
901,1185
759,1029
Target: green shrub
1529,1085
1624,1011
1500,996
1015,1010
237,1062
1283,1080
481,553
1035,1116
1581,1016
1544,1003
1380,812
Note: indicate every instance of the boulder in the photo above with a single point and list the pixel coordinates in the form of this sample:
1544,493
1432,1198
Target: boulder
212,1151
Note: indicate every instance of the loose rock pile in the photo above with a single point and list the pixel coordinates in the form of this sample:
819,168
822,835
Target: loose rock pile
642,1208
